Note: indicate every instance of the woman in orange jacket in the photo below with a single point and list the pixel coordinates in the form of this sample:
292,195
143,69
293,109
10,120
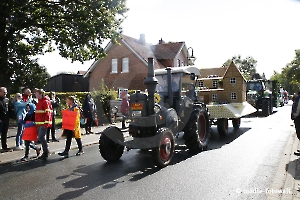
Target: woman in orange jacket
69,134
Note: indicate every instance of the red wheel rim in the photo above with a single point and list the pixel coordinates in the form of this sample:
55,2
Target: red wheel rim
201,127
165,148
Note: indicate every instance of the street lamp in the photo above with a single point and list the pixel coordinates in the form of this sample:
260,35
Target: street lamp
190,59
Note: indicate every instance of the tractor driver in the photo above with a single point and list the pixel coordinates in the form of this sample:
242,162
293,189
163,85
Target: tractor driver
191,92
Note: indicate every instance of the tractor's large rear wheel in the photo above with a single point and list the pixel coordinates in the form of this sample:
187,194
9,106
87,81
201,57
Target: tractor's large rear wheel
222,125
163,154
109,149
196,132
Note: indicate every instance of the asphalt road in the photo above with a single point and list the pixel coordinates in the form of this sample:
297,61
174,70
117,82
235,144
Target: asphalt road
232,167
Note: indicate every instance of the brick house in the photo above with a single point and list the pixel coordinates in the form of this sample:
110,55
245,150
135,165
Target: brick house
125,65
224,84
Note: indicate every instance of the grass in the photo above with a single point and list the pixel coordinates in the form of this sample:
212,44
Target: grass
58,121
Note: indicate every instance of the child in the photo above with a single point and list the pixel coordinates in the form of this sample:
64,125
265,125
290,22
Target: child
30,132
69,134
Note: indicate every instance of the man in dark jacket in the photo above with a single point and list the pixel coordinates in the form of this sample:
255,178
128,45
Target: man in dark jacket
295,115
4,118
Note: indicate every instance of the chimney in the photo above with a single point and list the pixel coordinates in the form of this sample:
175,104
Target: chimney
142,39
161,41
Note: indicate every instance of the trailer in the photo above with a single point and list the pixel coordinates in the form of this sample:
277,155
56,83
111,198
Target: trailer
220,114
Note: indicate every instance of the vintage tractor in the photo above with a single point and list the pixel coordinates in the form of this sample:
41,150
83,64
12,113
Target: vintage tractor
157,117
262,97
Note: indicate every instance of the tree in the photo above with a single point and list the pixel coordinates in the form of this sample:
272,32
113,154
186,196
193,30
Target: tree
289,78
76,28
34,76
247,66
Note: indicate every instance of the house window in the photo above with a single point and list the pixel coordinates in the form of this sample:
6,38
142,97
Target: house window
178,63
215,97
114,66
125,65
233,95
232,80
215,84
182,63
200,84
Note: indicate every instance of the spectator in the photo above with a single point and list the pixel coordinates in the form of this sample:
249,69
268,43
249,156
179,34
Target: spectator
27,96
20,112
124,108
4,118
89,111
296,117
30,132
69,134
55,104
43,119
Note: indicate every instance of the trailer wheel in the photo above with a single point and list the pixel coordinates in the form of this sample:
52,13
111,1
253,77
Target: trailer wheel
110,150
236,123
222,125
163,154
196,132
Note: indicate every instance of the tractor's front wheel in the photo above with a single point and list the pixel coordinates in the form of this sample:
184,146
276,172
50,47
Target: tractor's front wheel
266,110
163,154
110,150
222,125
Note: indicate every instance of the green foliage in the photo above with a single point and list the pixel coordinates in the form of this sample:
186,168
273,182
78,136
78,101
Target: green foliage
31,76
247,66
76,29
102,97
289,77
80,96
131,91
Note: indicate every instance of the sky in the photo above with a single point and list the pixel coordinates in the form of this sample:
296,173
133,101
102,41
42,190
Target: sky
267,30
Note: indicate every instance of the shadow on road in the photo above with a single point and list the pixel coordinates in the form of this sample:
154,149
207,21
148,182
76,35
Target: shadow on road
133,166
294,171
139,166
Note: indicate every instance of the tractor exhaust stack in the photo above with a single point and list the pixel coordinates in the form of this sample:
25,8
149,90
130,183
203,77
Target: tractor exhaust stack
150,83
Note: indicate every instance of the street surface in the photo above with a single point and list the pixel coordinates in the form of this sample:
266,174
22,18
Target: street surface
241,165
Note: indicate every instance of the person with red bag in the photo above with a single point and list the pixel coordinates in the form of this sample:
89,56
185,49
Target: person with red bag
43,119
74,132
30,132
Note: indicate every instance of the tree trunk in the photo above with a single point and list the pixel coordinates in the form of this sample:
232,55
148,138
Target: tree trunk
4,72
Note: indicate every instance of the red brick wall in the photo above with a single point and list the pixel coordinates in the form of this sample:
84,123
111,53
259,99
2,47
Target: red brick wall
131,80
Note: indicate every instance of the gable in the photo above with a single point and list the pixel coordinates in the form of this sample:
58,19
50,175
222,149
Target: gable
233,71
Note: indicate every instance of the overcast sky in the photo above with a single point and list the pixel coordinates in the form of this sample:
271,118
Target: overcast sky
268,30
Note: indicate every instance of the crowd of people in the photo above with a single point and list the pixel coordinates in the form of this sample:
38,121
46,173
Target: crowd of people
35,119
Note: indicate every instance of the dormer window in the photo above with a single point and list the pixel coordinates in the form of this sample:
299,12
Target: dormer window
233,80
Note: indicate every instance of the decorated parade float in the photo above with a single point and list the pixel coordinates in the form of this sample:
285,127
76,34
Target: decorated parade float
223,90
